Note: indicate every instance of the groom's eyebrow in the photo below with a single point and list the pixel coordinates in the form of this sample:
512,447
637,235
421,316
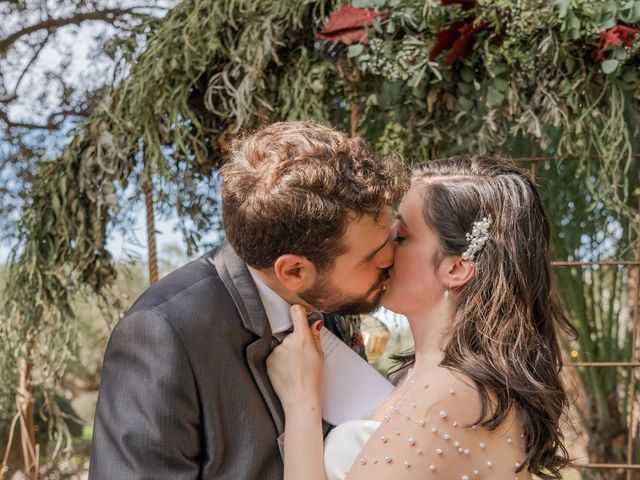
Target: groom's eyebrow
373,254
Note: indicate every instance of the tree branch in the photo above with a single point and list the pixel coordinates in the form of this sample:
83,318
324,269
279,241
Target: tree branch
108,15
51,124
33,59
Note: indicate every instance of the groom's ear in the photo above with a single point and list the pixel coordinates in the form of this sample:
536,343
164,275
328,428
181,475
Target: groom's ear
295,273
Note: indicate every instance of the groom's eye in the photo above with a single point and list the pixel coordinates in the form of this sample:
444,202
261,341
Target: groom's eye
398,239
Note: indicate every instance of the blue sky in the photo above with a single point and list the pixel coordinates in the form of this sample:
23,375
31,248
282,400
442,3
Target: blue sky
86,70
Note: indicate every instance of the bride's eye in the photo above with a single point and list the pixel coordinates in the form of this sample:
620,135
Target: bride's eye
398,239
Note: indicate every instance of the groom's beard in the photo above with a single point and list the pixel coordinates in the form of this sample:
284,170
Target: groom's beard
329,298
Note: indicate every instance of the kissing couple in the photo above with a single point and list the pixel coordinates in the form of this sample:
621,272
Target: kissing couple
205,379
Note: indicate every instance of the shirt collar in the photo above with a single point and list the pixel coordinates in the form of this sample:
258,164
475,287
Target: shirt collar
276,307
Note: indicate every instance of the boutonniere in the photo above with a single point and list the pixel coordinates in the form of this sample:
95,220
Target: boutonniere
357,341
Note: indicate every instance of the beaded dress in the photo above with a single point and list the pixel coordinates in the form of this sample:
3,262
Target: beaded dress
421,431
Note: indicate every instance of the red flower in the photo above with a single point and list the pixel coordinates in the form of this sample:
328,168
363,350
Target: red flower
347,25
356,340
458,37
462,46
445,39
613,37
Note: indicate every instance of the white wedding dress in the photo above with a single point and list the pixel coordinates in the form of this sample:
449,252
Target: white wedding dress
342,445
423,430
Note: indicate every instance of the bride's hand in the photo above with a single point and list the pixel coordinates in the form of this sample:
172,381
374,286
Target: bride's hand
295,366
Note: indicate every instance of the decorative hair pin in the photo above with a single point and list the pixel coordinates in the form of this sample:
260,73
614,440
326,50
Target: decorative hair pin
477,238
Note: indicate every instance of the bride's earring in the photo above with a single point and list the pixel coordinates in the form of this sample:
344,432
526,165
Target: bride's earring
446,293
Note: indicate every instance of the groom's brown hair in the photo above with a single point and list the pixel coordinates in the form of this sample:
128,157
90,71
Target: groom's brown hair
293,187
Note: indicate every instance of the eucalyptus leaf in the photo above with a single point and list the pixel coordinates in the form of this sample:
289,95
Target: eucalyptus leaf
391,26
467,74
417,77
465,88
630,74
355,50
497,68
55,203
610,66
620,53
465,103
573,21
501,84
563,7
436,71
609,22
494,97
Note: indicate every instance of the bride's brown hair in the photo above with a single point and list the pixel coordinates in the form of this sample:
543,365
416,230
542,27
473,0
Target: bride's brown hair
507,317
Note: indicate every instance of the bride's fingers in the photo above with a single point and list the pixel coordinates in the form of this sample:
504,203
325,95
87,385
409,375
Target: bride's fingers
299,319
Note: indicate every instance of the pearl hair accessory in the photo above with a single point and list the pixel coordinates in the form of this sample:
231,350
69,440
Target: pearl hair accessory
477,238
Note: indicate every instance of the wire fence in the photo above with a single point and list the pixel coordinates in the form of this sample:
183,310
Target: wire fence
633,418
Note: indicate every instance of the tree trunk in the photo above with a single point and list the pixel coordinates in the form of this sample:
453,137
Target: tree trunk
24,404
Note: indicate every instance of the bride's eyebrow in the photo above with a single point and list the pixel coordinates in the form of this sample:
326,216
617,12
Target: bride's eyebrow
401,220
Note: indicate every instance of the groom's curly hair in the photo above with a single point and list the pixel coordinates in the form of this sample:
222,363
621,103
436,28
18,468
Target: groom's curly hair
293,187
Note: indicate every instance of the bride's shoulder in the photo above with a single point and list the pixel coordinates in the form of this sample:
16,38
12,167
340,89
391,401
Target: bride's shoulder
449,396
432,426
452,385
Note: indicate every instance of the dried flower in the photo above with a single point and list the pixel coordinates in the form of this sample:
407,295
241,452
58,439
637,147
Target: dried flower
347,25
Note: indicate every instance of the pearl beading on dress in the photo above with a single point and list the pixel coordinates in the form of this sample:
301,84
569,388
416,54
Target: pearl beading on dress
466,450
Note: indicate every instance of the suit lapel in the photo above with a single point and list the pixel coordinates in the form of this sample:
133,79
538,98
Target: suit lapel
257,353
239,284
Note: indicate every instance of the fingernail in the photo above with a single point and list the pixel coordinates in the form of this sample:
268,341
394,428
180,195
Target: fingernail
319,325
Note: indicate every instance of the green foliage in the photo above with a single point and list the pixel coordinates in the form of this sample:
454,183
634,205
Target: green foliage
600,300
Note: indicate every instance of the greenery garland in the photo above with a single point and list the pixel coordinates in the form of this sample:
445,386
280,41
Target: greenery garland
562,76
430,78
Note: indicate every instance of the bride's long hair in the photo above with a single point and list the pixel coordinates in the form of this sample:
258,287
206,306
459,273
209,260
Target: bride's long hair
507,317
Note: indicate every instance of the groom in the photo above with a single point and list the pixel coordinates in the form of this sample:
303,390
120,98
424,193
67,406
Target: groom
184,392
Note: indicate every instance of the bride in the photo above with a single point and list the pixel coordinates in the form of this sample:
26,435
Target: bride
482,396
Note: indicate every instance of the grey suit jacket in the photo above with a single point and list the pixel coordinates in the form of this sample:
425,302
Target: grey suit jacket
184,391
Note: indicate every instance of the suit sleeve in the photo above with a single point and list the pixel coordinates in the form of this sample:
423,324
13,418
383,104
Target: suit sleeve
147,415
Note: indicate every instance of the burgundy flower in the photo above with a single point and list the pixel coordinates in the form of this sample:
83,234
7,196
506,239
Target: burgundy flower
445,39
462,46
458,37
613,37
347,25
356,340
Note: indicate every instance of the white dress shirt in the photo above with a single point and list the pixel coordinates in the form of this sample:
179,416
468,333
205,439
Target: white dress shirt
277,308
